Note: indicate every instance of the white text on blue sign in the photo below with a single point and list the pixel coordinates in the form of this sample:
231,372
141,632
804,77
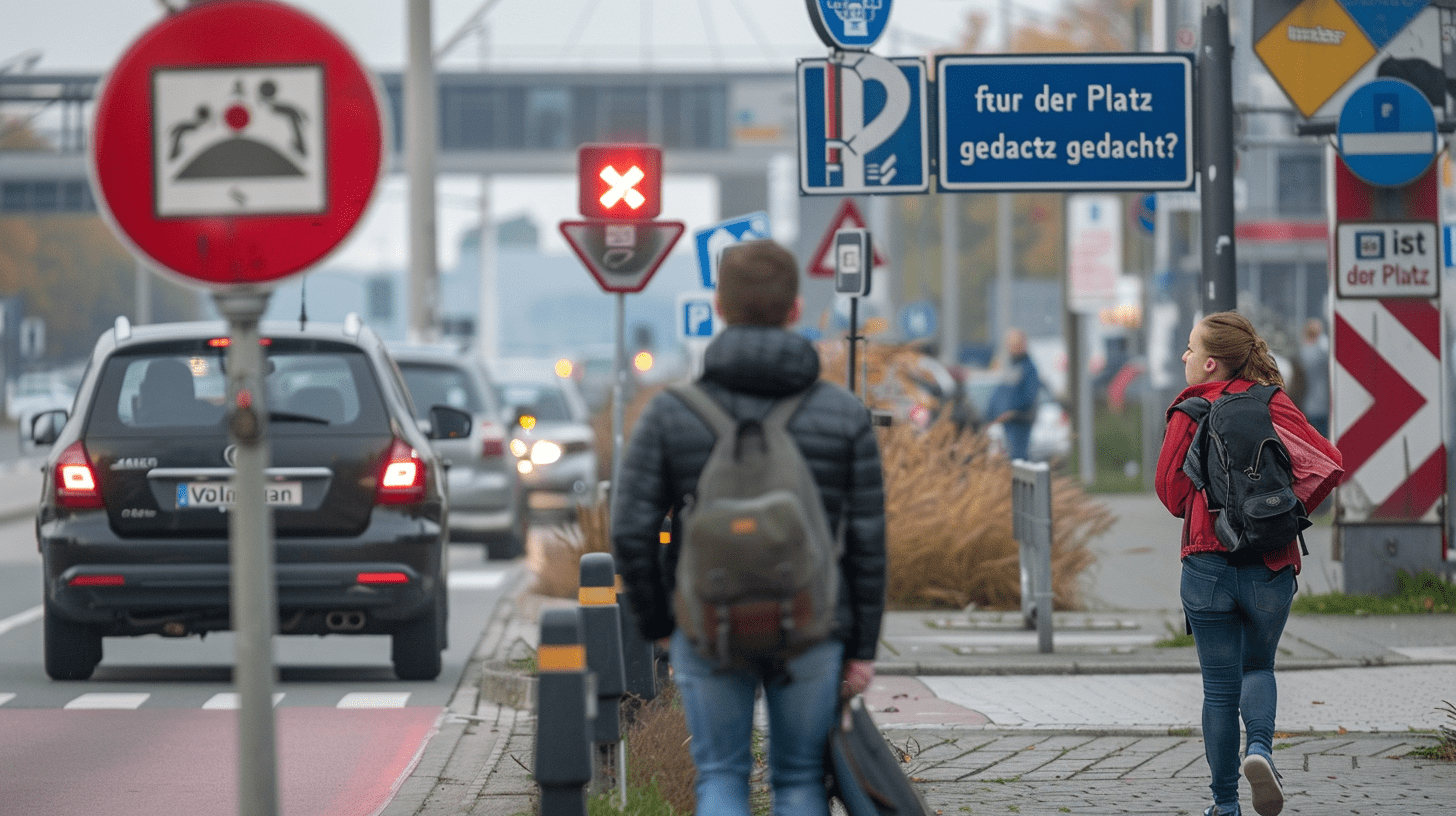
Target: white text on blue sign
1065,123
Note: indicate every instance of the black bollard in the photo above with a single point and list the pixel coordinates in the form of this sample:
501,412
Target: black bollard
601,623
603,629
565,698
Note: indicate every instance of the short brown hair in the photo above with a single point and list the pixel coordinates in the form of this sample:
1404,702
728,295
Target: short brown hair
758,282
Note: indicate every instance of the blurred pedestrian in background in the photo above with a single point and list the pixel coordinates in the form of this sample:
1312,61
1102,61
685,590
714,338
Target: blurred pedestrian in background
1013,403
1314,359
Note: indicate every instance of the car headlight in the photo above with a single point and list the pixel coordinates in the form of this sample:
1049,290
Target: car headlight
544,452
519,448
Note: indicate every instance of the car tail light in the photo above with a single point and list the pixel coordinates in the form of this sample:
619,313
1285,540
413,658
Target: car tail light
492,439
76,486
97,580
382,578
402,476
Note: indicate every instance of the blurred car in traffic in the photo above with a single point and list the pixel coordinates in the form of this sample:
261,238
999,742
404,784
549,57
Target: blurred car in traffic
553,440
34,392
133,518
487,499
1051,431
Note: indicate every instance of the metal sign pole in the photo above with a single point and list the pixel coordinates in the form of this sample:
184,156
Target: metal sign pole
619,388
254,608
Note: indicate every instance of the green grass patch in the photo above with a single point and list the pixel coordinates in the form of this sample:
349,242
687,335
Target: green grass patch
1420,594
642,800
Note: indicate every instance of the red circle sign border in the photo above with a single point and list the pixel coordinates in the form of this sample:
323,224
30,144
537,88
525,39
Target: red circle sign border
224,251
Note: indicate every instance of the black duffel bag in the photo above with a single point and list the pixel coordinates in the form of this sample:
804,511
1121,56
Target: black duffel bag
863,773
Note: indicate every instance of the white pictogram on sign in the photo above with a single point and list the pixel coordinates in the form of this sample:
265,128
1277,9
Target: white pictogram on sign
623,186
855,14
239,140
848,137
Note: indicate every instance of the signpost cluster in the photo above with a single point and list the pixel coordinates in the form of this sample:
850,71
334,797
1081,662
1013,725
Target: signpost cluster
621,244
235,144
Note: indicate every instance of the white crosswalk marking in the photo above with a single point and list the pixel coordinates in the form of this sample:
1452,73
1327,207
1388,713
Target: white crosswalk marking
100,699
5,698
30,615
373,699
228,701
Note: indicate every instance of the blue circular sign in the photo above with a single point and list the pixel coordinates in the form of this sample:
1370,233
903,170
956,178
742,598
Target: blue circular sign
1387,133
849,25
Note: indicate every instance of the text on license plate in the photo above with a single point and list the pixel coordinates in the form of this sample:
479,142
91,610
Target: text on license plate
220,494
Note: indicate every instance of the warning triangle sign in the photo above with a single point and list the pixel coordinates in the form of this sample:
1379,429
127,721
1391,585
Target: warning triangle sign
821,265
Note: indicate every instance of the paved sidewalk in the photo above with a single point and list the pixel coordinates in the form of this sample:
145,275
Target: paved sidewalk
1106,724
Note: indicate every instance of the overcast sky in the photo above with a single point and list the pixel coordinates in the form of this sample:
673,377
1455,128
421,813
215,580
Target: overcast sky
89,35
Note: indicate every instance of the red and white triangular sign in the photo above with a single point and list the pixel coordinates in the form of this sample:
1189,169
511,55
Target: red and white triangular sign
848,217
622,255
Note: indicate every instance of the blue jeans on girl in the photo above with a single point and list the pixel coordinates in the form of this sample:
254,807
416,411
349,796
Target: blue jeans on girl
1237,615
801,711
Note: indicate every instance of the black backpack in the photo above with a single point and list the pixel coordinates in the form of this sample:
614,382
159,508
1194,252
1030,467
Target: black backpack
1244,470
758,569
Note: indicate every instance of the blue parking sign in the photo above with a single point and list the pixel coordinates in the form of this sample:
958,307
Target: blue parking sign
695,317
862,125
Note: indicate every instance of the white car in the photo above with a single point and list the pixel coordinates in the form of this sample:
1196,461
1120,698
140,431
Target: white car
553,438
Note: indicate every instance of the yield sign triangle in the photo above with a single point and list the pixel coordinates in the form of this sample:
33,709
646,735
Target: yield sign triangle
622,255
848,217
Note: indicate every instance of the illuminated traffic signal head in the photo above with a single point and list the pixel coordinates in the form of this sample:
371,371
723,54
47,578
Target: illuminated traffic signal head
620,181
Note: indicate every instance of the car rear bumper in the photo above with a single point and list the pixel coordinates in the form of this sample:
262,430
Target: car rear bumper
182,586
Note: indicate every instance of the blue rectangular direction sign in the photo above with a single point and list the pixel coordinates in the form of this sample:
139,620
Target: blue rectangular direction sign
1065,122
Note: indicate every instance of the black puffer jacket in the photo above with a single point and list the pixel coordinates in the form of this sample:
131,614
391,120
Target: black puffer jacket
747,369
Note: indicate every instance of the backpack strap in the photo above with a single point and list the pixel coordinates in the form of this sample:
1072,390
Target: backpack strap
707,408
717,417
1195,407
1265,393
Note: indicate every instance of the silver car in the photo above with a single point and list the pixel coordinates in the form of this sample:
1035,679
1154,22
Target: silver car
487,499
553,438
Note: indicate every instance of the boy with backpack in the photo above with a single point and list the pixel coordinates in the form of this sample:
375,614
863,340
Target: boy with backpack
774,576
1241,466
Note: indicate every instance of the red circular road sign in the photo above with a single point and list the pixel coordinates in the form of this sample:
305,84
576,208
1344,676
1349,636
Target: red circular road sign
237,142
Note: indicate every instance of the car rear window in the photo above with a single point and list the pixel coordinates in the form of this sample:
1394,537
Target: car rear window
311,387
431,384
547,401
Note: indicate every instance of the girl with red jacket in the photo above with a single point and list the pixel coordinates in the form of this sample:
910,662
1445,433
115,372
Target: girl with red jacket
1237,603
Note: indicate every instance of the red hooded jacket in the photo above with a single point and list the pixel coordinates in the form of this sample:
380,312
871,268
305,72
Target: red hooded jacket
1317,469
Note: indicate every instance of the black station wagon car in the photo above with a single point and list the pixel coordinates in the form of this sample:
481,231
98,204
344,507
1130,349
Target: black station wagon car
133,524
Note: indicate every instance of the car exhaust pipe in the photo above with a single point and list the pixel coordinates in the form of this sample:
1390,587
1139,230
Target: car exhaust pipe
345,621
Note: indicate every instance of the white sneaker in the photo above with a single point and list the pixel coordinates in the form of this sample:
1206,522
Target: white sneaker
1264,784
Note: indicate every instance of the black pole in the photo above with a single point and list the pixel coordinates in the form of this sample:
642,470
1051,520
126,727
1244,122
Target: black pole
1216,159
853,339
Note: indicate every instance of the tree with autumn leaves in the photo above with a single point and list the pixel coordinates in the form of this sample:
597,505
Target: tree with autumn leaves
1038,233
70,270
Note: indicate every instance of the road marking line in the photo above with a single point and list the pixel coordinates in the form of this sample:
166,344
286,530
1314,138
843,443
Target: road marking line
228,701
6,697
19,619
475,579
102,699
374,699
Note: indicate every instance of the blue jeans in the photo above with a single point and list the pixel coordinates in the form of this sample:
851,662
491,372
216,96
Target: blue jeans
1237,615
801,712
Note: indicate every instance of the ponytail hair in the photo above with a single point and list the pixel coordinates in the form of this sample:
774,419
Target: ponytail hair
1230,338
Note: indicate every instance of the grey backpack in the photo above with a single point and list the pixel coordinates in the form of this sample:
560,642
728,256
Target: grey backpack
758,570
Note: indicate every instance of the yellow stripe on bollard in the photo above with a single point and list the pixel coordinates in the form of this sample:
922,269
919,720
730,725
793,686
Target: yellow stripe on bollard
664,537
561,658
596,595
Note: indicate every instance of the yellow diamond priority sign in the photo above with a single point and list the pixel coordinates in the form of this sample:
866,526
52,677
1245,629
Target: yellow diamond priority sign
1313,51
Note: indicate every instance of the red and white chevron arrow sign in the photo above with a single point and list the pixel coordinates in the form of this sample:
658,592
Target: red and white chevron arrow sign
1387,408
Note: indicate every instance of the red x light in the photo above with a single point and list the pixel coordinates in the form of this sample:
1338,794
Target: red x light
619,181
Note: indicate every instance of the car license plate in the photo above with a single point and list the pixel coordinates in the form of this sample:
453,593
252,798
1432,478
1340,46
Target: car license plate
220,494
